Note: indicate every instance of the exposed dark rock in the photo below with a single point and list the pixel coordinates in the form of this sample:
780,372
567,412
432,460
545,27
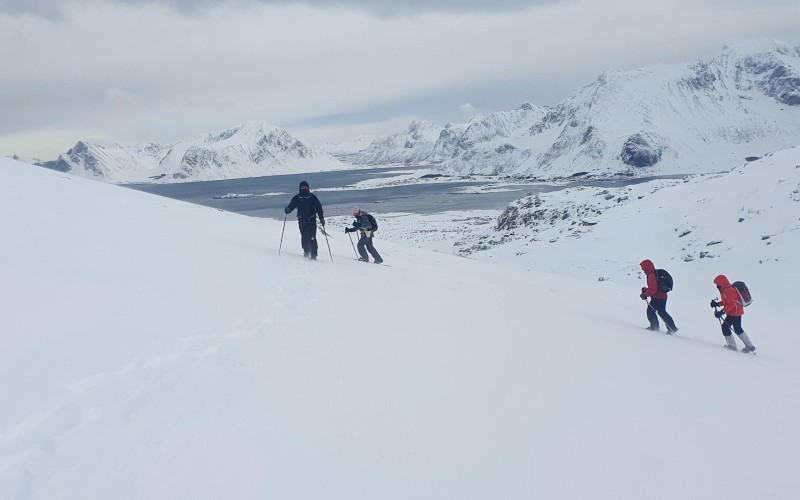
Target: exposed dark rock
640,152
59,165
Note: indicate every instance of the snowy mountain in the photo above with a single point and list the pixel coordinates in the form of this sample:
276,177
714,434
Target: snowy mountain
357,144
132,371
486,138
30,161
412,146
250,150
692,117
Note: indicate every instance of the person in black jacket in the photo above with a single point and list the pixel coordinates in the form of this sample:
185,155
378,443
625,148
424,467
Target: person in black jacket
308,207
367,225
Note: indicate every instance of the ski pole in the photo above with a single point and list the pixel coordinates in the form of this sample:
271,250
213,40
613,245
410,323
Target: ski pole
351,243
282,230
328,242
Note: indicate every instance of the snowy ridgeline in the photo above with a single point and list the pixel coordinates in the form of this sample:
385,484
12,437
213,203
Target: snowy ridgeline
156,349
686,118
250,150
698,116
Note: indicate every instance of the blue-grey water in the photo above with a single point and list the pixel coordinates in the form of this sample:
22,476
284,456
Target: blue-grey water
419,198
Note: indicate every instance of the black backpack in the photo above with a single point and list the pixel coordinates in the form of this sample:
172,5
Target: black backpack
664,280
372,222
744,293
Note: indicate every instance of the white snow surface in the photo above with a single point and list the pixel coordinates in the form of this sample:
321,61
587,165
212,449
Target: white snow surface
157,349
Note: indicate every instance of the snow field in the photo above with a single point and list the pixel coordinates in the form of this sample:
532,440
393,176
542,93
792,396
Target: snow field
155,349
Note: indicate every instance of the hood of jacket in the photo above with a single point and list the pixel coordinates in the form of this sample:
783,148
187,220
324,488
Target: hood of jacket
722,281
647,266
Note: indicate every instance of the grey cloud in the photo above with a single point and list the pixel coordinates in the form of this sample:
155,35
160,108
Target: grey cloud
59,8
42,8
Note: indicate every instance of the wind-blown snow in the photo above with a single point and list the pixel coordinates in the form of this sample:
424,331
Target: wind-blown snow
155,349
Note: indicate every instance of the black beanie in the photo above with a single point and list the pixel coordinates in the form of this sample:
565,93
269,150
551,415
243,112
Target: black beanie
303,184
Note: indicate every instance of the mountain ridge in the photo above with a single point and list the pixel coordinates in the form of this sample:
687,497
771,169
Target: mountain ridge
248,150
690,117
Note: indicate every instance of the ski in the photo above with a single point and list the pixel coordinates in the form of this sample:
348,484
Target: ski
373,263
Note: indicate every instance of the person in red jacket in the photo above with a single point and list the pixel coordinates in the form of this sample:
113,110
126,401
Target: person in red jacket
658,299
733,310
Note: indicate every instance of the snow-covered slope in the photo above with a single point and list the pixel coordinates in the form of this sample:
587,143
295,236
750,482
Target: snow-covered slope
486,139
693,117
412,146
746,222
250,150
155,349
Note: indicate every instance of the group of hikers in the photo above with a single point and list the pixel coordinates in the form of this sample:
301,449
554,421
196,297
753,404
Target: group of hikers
731,303
309,208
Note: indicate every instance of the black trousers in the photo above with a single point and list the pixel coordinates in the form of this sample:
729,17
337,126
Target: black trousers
364,244
732,321
659,306
308,237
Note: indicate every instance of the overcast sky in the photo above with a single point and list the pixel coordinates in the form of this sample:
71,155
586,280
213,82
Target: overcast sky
132,71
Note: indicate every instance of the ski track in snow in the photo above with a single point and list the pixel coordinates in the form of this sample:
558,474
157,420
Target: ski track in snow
156,368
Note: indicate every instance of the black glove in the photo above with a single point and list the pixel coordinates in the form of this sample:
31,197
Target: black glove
322,221
719,314
714,304
348,230
287,211
643,297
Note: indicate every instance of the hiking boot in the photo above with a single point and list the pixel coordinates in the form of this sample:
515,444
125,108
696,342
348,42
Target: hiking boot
363,259
305,254
730,347
749,348
670,331
653,328
313,257
379,261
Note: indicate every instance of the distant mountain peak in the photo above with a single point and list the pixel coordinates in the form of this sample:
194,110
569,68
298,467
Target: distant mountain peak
250,149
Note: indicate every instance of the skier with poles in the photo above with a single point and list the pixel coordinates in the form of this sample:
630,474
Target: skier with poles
657,292
733,310
308,208
367,224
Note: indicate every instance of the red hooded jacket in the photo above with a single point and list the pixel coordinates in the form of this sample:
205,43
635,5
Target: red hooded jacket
731,302
652,289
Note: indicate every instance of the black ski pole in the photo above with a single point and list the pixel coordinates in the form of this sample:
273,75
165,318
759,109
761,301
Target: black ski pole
282,230
328,243
354,246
